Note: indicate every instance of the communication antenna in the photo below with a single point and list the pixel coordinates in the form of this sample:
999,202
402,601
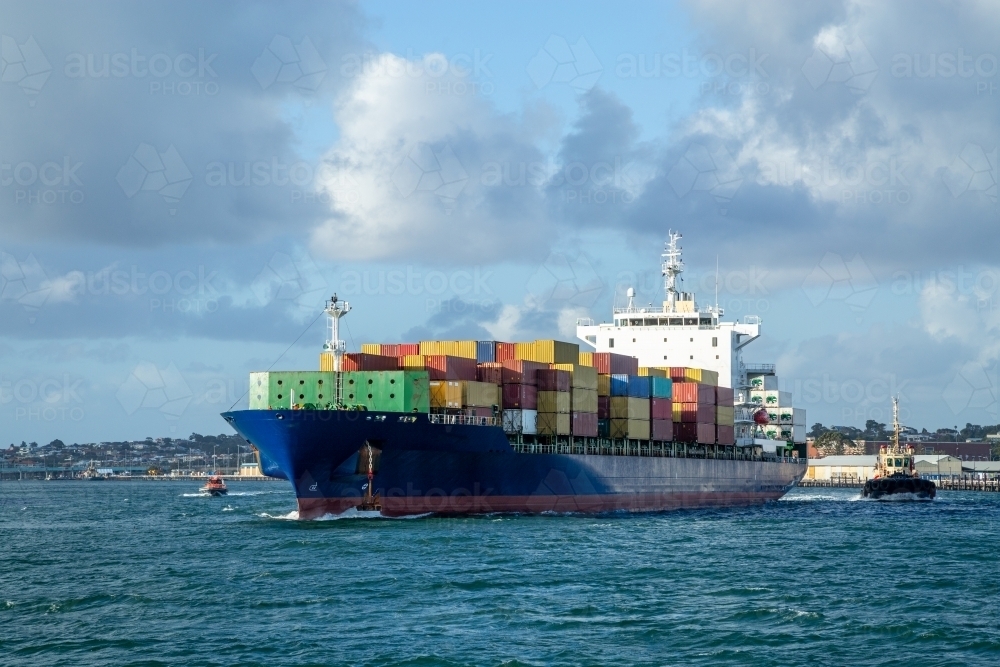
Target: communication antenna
671,268
335,309
716,285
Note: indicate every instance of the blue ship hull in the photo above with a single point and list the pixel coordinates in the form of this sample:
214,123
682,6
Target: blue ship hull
471,469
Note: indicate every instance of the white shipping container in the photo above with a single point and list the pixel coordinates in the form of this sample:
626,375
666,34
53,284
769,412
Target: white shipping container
763,382
798,417
520,421
798,433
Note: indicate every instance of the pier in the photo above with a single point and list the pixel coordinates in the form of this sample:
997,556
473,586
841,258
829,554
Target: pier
957,483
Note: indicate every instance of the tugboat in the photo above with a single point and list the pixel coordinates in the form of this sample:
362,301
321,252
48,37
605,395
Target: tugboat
895,472
215,486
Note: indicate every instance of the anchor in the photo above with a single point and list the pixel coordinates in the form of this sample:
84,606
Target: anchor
371,502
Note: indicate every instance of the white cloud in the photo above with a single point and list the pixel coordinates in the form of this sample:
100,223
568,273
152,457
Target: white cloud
415,157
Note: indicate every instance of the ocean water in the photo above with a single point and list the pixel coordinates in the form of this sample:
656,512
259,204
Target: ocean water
152,573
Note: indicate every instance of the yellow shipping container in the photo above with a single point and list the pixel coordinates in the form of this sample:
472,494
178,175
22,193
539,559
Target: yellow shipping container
554,401
480,394
556,352
412,361
465,349
629,408
634,429
582,377
552,423
603,385
653,372
524,351
584,400
724,415
326,361
586,358
446,394
371,348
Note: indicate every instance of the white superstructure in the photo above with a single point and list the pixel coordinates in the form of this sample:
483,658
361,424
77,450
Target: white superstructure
682,333
679,333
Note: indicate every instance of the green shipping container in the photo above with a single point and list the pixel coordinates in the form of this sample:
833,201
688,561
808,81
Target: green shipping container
279,390
388,391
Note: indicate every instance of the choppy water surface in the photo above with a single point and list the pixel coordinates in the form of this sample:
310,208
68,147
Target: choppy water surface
95,573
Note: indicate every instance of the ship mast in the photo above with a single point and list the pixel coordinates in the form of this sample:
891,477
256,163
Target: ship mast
895,424
335,309
671,268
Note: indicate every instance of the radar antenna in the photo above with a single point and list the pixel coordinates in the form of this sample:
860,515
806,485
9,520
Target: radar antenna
671,268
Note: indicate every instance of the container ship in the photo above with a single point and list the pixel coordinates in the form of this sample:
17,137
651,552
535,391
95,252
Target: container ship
658,411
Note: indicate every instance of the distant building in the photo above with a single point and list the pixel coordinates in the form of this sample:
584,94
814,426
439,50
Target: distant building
848,468
933,466
966,451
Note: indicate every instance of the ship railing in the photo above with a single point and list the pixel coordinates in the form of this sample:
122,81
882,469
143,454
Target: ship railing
464,420
584,321
760,368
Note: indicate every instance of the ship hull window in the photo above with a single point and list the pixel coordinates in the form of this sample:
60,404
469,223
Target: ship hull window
611,342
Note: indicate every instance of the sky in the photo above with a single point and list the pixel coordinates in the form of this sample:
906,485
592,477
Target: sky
182,185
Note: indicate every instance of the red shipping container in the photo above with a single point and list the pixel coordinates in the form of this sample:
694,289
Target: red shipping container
479,412
359,361
584,423
725,435
450,368
520,397
609,363
694,392
661,408
724,397
490,372
521,372
505,351
553,380
706,434
695,412
390,350
703,434
662,429
685,431
408,348
604,407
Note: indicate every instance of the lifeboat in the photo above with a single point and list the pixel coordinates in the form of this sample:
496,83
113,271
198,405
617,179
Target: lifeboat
215,486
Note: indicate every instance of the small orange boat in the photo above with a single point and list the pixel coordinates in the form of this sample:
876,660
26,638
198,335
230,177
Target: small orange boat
215,486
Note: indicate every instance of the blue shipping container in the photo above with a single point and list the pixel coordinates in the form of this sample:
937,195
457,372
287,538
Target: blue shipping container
486,351
619,385
661,387
638,386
